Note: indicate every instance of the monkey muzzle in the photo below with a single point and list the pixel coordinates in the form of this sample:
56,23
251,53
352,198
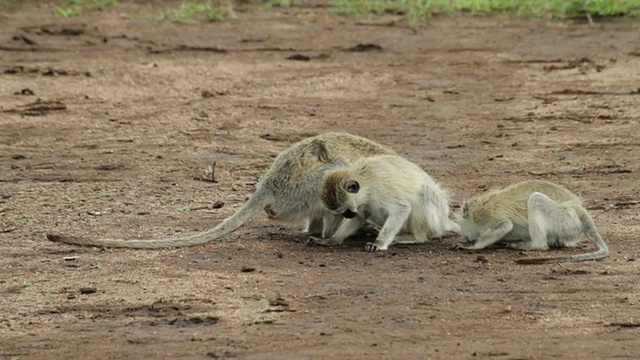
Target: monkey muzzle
348,214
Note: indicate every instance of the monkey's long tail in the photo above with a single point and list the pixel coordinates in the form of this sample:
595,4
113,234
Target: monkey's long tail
255,203
592,234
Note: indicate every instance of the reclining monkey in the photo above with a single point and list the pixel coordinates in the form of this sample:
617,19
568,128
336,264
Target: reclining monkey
288,192
390,192
530,215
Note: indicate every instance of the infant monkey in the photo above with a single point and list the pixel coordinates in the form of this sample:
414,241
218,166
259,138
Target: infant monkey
530,215
390,192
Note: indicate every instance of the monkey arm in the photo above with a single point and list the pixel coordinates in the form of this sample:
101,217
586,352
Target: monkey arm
494,233
347,228
398,216
331,223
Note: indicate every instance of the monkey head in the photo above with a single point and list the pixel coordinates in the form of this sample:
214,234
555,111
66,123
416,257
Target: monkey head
468,227
339,194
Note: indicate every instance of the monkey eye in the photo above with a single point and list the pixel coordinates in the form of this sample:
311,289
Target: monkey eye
352,186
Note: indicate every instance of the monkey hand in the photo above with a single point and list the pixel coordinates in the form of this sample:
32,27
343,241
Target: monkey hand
468,245
322,242
373,247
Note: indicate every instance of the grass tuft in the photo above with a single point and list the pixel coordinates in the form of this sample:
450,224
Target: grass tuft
68,8
189,11
421,9
278,3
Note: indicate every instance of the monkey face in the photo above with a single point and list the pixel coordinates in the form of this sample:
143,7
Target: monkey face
348,214
338,195
343,210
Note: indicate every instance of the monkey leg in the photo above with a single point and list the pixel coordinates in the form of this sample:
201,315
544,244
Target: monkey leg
406,239
492,235
549,224
348,227
395,222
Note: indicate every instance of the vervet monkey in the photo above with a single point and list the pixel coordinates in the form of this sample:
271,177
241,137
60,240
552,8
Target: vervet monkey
391,193
530,215
288,192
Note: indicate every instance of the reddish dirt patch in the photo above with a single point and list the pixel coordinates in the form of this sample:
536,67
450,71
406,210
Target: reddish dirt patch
107,121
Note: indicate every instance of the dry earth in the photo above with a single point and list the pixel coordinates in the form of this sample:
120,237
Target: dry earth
107,121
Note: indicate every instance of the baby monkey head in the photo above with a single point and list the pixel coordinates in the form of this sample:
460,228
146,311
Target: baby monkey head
338,195
468,227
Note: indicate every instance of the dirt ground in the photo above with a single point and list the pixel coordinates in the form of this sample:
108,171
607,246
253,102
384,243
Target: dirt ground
108,120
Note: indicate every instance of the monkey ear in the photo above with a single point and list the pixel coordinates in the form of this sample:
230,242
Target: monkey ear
319,150
352,186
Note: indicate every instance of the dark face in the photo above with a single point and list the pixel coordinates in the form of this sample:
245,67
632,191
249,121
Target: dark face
348,214
335,195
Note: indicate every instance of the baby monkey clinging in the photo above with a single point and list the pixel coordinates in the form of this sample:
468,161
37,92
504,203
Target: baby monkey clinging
390,192
530,215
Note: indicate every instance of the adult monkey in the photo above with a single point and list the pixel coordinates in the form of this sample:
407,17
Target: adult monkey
288,192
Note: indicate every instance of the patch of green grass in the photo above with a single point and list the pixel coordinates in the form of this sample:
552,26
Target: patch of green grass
278,3
208,171
577,168
68,11
190,11
420,9
68,8
26,285
101,4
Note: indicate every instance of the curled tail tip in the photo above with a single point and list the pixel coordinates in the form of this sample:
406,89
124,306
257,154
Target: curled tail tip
55,237
65,239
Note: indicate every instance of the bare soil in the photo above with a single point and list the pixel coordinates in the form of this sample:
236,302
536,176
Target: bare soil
108,120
